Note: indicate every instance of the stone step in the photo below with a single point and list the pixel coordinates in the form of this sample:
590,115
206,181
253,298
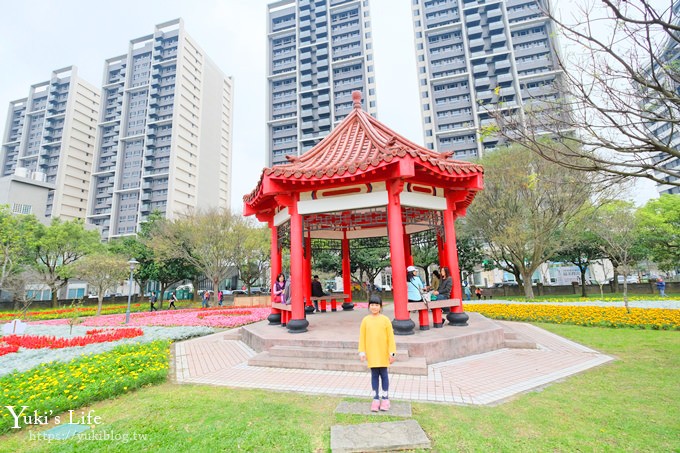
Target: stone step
520,344
329,353
515,340
385,436
232,334
412,366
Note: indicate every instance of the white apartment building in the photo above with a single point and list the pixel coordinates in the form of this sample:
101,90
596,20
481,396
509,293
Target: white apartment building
164,138
50,139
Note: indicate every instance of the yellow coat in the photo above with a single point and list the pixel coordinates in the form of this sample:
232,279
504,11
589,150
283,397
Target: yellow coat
376,339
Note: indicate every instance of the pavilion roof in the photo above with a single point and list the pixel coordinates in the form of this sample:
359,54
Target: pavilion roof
359,144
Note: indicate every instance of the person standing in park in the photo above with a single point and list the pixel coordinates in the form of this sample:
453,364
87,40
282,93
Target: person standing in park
173,299
220,298
661,286
152,301
378,347
468,292
206,299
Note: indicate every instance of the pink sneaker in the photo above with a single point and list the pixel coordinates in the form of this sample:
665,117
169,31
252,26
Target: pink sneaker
384,405
375,405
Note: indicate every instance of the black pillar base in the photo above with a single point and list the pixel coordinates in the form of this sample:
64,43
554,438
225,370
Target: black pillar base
438,325
274,319
347,306
424,327
446,310
457,319
403,326
309,308
297,325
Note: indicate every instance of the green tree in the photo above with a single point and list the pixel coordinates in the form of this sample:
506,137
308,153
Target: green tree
659,228
17,242
368,256
616,228
102,271
58,246
525,204
205,240
251,251
580,245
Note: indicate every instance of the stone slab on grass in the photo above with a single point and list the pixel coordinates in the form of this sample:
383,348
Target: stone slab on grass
384,436
61,432
397,409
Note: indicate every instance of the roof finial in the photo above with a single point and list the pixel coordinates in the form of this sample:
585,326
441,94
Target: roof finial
356,97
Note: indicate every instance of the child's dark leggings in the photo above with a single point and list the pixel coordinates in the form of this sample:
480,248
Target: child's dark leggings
380,373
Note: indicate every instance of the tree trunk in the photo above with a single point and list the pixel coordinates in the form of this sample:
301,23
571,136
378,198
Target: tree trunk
194,283
55,297
584,293
528,288
100,302
625,292
615,282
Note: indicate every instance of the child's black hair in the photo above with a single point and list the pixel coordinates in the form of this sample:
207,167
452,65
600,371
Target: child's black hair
375,299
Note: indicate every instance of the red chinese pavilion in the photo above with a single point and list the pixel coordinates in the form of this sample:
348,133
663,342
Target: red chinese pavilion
363,180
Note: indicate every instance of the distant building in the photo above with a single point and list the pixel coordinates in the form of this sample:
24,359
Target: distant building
164,135
49,144
318,53
474,57
664,131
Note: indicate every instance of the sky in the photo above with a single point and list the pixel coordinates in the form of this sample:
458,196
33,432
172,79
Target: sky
40,36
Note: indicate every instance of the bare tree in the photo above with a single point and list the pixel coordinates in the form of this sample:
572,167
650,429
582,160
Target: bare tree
527,201
618,80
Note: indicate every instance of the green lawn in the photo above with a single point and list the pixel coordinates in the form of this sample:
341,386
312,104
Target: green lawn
608,297
628,405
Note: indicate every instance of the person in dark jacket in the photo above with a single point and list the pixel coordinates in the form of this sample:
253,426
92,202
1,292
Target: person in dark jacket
317,291
445,285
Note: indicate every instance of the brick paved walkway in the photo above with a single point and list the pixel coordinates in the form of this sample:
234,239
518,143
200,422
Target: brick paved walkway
481,379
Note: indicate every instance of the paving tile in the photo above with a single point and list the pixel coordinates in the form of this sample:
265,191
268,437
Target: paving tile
386,436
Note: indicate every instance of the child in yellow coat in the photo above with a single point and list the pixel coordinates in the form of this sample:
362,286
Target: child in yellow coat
377,346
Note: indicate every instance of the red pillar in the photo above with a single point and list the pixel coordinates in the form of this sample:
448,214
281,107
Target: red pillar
440,251
275,256
402,321
408,257
298,323
457,315
308,271
346,270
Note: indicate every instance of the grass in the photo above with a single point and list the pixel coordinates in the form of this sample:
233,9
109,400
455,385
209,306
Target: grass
628,405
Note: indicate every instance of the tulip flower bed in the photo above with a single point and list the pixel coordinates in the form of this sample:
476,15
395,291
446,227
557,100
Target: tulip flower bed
52,388
67,312
644,318
92,336
209,317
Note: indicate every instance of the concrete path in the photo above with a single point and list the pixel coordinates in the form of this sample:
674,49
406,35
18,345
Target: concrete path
482,379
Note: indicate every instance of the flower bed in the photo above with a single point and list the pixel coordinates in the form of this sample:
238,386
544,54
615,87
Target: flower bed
210,317
92,336
651,318
67,312
53,388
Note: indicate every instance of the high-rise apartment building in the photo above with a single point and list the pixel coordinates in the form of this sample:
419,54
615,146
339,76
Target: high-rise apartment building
667,133
319,52
165,133
49,144
476,57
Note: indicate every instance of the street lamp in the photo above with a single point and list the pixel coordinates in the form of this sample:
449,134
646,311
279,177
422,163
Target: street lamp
133,262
